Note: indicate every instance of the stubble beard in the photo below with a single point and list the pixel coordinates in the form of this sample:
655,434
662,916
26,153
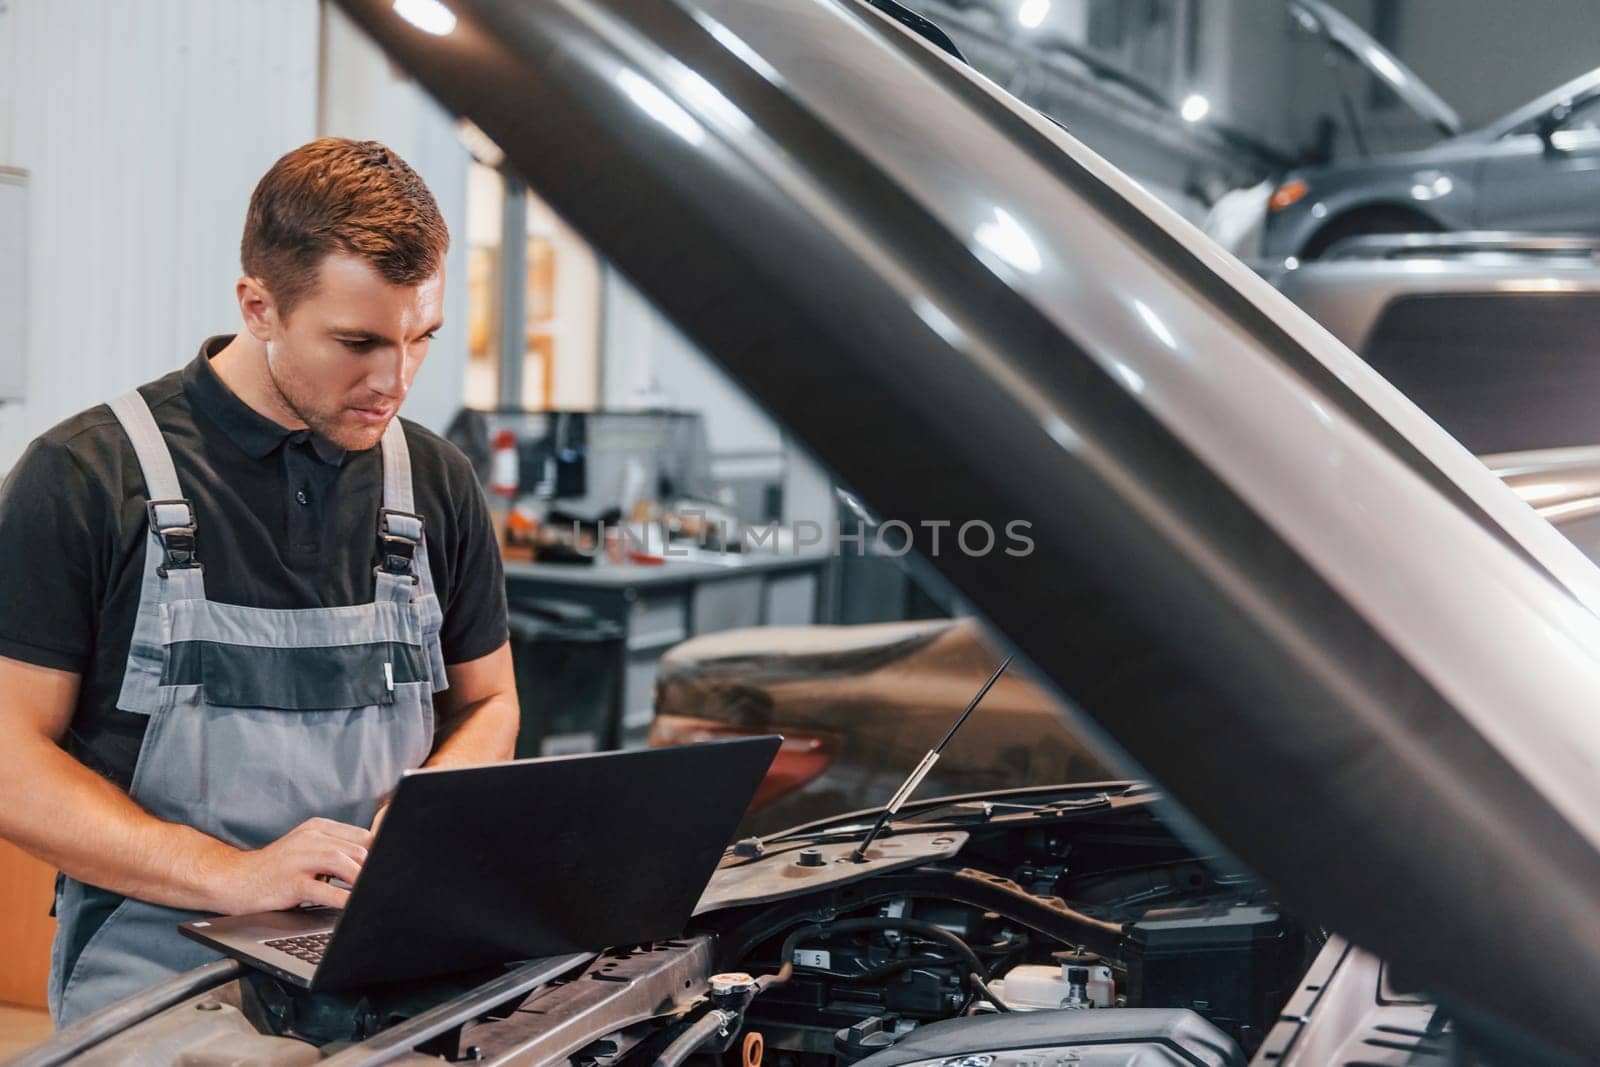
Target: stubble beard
328,425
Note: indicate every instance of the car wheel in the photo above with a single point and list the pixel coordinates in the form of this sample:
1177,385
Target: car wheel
1365,221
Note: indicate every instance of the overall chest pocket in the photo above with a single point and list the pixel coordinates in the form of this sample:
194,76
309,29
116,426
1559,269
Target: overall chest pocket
313,678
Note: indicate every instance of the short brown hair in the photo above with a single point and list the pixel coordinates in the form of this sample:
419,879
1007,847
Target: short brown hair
337,195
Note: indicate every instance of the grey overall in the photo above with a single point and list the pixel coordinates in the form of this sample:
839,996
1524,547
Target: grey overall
258,719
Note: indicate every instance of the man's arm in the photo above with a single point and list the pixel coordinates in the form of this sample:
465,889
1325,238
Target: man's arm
478,715
62,812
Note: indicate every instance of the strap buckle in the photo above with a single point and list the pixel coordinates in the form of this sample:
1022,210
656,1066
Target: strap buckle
176,530
399,533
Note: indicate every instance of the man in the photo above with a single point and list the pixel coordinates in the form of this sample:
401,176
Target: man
243,599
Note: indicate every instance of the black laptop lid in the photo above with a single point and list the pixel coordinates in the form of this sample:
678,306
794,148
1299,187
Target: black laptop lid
541,856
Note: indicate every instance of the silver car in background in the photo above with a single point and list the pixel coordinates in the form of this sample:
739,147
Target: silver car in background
1491,334
1532,170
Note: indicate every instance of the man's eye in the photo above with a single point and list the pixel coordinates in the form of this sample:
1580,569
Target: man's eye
356,346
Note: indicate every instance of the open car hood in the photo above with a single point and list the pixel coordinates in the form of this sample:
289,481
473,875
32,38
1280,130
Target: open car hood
1339,31
1260,576
1574,92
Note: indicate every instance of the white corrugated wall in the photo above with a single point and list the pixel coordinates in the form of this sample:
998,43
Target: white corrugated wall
144,125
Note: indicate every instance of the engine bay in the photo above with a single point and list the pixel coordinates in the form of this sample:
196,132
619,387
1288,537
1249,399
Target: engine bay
1079,917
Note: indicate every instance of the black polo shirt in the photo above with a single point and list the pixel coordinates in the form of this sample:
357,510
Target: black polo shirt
284,519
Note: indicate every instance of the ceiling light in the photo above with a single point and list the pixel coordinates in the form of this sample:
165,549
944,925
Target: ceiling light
1032,12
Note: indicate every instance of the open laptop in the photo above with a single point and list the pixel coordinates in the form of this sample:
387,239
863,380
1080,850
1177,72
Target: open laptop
538,857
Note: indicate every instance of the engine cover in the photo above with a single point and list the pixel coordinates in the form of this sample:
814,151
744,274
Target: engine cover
1111,1037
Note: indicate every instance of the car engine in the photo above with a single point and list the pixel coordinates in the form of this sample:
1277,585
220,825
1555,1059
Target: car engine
1071,929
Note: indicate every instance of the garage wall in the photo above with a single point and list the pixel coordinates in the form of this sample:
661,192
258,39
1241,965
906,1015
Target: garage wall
648,362
1487,56
1243,64
144,127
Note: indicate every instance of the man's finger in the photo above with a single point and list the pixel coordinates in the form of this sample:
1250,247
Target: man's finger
343,831
340,864
323,894
329,846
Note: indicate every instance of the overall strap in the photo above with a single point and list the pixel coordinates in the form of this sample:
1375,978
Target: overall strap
160,476
397,494
171,516
402,540
399,525
169,556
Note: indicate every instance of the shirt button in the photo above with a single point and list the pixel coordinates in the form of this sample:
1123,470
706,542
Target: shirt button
300,495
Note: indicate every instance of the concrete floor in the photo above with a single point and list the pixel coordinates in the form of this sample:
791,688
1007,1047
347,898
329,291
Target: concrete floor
21,1028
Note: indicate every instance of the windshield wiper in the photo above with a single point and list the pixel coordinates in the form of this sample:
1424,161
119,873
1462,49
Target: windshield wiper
952,812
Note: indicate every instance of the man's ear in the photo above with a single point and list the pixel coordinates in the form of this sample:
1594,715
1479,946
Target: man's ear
257,308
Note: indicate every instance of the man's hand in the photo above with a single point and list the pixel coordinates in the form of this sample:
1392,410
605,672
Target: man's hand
67,815
292,870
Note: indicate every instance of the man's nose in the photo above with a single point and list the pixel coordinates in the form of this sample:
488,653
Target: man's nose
391,376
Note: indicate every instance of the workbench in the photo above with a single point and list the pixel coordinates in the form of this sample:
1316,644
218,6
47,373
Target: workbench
656,606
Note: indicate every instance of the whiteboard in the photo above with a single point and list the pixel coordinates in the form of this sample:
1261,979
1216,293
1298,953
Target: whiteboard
13,283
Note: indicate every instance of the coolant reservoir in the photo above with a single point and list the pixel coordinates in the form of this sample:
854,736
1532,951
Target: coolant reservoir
1037,987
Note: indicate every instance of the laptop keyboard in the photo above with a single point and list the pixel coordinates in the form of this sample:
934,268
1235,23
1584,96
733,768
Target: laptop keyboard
307,947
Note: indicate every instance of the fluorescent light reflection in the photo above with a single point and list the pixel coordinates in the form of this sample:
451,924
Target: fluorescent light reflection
1130,377
1062,434
1157,326
708,99
938,321
1386,67
736,44
659,106
429,16
1006,238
